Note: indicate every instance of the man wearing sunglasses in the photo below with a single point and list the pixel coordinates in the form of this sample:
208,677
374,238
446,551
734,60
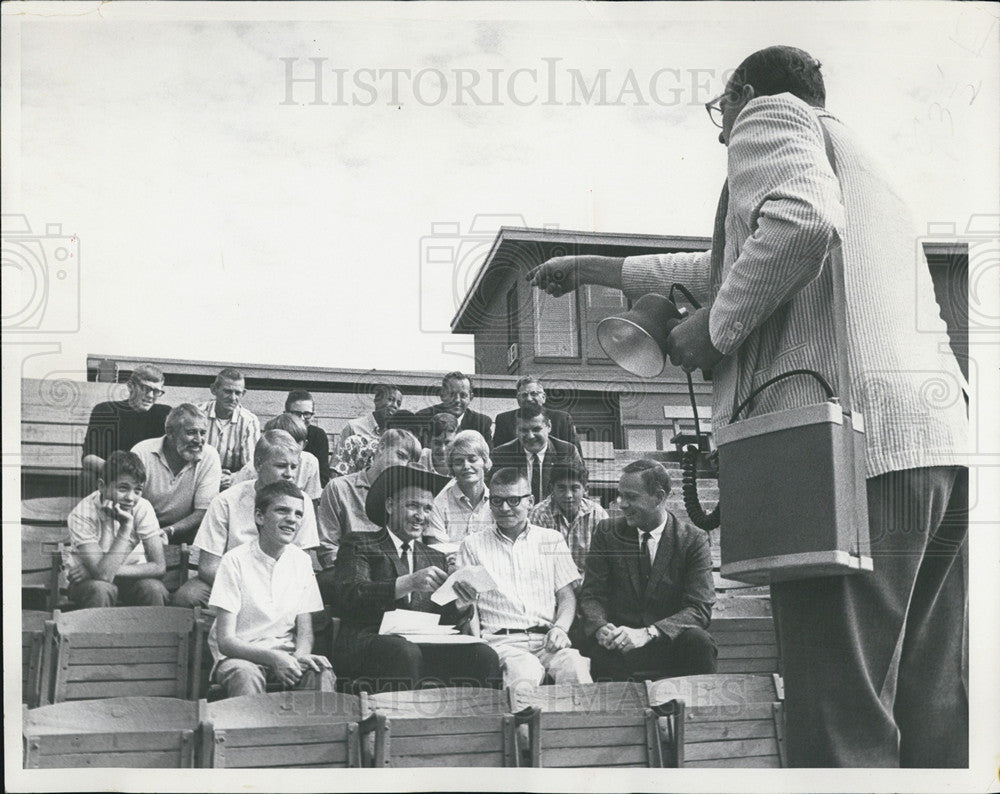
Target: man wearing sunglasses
875,664
527,618
121,424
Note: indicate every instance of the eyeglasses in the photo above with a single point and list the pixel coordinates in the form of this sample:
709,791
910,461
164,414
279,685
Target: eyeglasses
303,415
512,501
714,109
152,391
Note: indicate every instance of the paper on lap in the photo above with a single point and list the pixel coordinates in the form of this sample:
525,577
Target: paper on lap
476,576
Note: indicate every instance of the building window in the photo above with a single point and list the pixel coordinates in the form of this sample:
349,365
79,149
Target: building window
556,326
601,302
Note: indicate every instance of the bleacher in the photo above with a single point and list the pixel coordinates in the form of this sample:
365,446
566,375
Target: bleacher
152,707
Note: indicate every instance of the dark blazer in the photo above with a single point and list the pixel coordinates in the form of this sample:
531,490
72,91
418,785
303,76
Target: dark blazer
505,429
680,593
472,420
512,455
364,585
319,445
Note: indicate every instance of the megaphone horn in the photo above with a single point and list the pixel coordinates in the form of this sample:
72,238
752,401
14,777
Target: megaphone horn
637,340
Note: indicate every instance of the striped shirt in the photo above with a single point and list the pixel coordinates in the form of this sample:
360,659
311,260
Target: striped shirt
528,571
772,297
577,532
234,438
455,516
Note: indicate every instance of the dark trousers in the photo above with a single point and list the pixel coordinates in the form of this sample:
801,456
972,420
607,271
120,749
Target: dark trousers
875,664
691,652
384,662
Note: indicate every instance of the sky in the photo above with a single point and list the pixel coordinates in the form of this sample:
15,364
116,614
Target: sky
185,202
220,213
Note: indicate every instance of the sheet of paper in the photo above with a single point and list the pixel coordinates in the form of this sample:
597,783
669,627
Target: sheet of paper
443,639
474,575
408,621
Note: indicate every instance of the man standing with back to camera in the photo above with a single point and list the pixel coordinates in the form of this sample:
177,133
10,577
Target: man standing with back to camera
874,663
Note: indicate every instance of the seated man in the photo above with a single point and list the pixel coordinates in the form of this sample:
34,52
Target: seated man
443,428
117,543
535,451
388,399
392,569
463,505
300,403
527,618
232,429
182,472
568,509
307,474
264,596
456,395
124,423
231,518
531,392
647,594
342,505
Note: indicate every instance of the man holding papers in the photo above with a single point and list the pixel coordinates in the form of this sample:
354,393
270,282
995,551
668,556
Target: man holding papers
391,570
527,618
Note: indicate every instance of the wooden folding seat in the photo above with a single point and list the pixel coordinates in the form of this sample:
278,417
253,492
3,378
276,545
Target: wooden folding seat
481,740
122,651
751,735
41,564
622,738
32,650
135,732
283,729
715,689
438,702
51,511
744,633
610,697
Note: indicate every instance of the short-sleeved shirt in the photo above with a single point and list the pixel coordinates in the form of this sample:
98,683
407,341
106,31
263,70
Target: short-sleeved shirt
265,594
117,425
234,438
455,516
229,522
88,523
576,532
306,475
342,510
528,571
174,497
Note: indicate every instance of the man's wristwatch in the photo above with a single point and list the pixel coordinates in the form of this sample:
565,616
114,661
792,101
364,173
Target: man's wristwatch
652,632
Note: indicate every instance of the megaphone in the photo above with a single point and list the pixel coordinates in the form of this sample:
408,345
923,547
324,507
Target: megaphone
637,340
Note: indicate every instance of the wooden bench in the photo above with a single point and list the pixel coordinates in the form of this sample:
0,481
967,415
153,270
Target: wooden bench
751,735
131,732
744,632
437,702
715,689
32,650
612,697
122,651
482,740
286,729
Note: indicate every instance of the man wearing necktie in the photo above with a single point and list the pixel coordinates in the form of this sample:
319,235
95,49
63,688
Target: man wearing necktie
875,665
647,592
376,572
534,452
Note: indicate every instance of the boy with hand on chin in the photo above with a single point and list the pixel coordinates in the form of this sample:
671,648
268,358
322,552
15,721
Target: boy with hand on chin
264,594
116,540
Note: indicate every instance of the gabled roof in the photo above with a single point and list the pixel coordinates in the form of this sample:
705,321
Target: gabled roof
521,248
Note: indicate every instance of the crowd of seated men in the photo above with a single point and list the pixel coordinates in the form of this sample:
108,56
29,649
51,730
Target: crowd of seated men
577,596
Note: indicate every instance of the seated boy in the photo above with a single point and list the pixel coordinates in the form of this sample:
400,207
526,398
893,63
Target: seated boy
264,595
117,544
307,476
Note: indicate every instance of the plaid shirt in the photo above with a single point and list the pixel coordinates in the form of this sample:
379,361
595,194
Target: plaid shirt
577,533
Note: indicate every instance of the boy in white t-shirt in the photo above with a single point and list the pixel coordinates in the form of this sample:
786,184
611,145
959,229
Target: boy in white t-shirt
264,594
117,545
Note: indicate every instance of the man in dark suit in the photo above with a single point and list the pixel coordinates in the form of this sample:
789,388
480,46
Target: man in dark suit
392,569
534,452
531,392
300,403
456,394
647,593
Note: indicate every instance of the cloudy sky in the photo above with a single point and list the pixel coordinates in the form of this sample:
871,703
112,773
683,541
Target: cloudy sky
223,214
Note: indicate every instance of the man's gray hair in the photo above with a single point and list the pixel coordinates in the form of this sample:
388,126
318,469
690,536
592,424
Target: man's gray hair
181,412
147,372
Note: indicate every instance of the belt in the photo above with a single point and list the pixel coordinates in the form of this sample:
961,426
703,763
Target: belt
530,630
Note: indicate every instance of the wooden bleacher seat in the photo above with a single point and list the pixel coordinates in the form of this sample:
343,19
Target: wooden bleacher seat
438,702
750,735
744,632
681,418
41,564
134,732
32,649
124,651
716,689
286,729
611,697
481,740
622,738
49,511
